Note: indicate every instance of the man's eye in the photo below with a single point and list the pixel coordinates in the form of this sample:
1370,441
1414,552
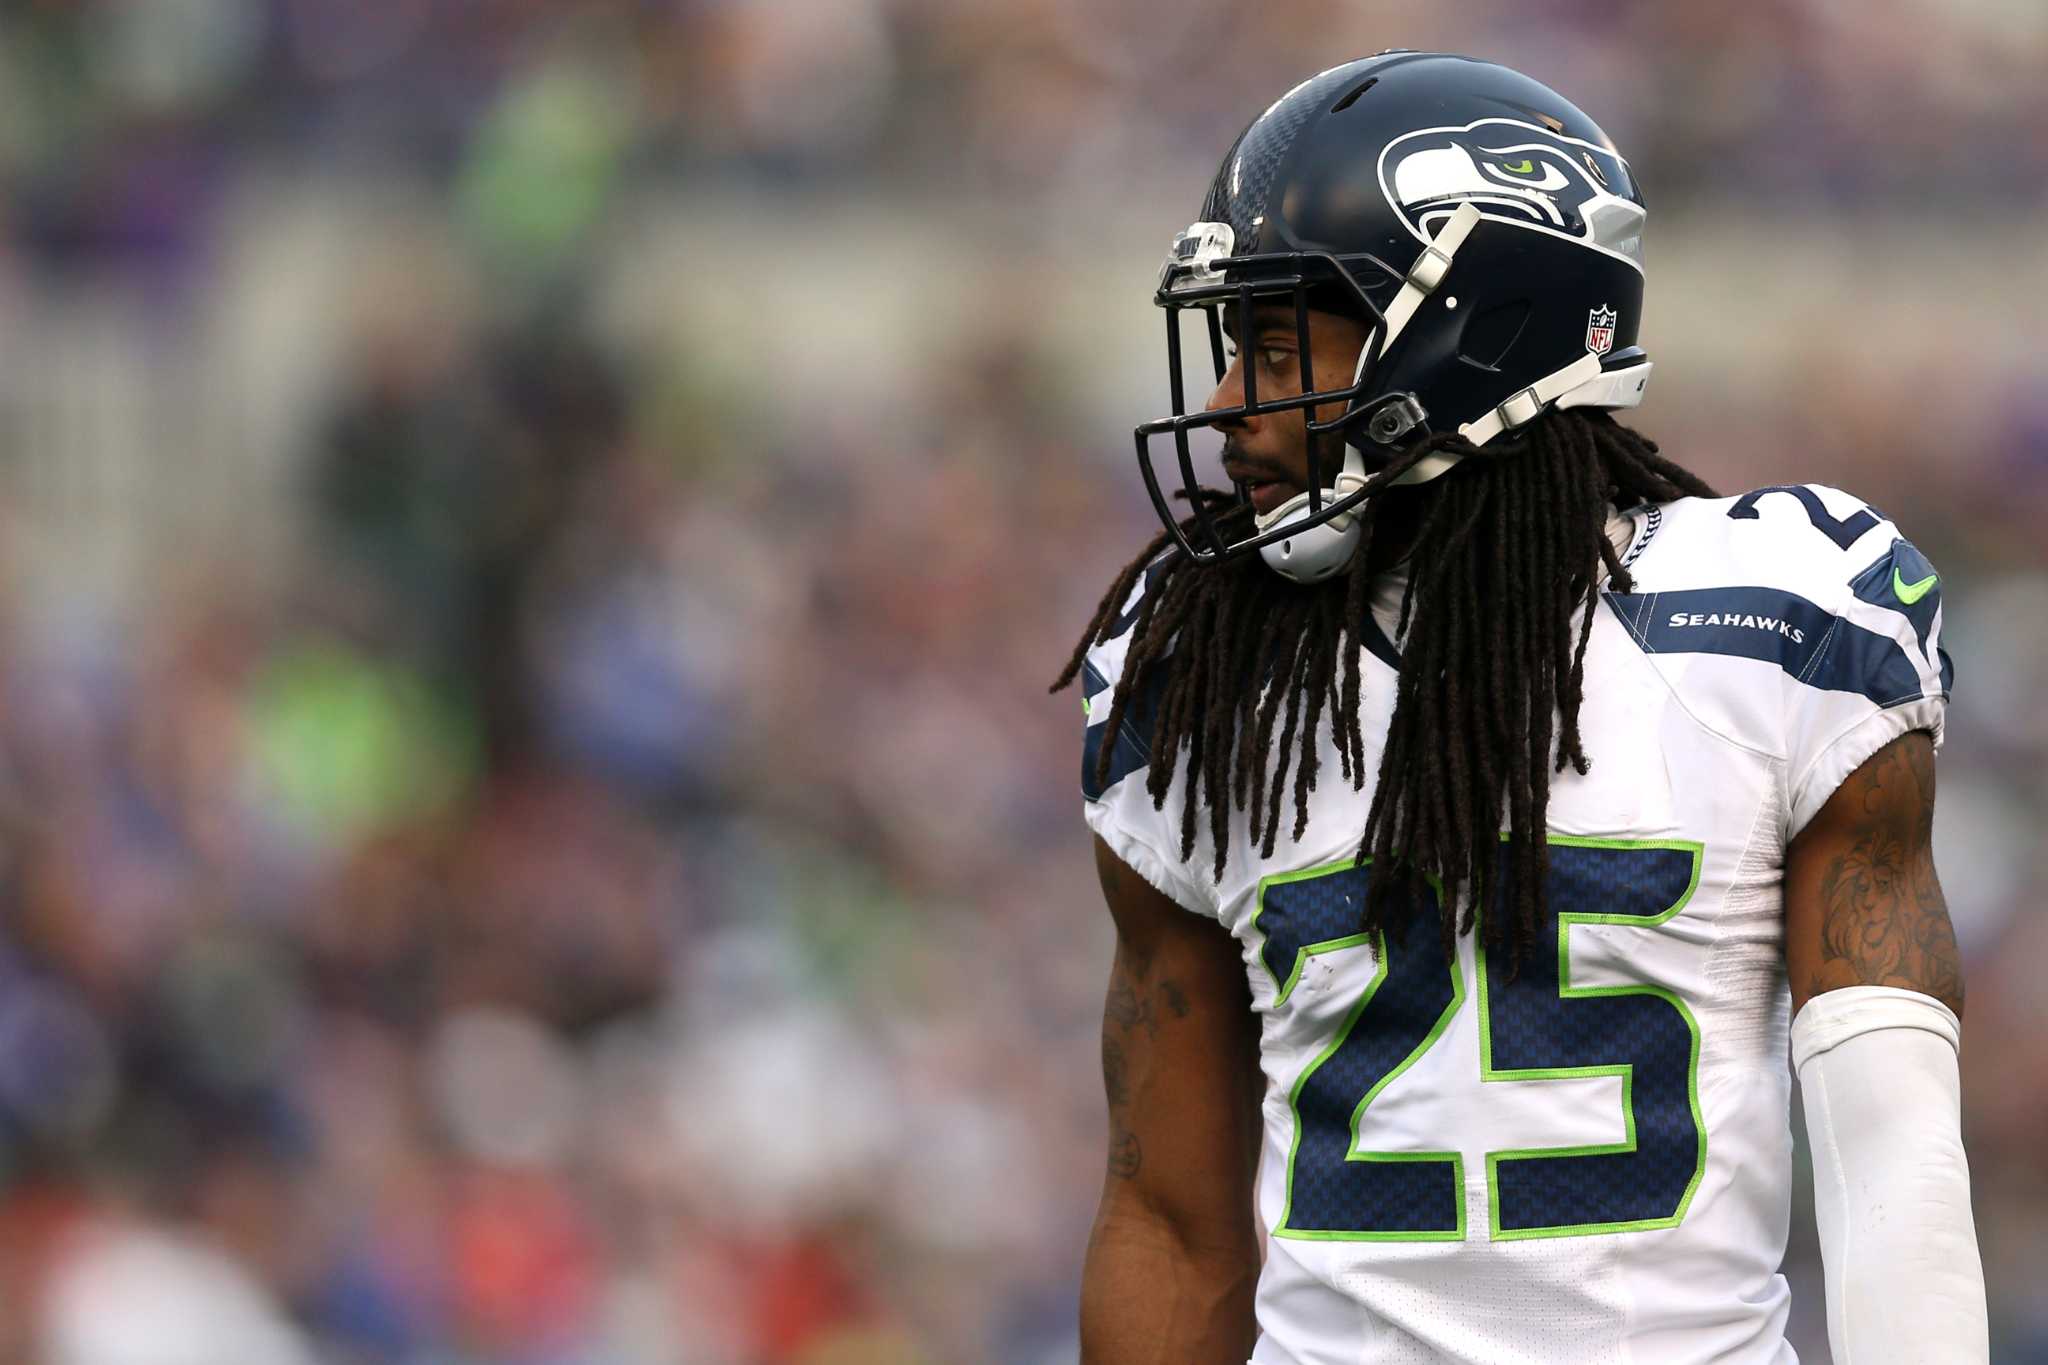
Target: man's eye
1272,357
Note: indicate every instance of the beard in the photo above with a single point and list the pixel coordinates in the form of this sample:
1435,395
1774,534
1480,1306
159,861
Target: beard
1329,448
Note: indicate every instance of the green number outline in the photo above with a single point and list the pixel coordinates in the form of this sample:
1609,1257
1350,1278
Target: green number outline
1625,1070
1283,989
1443,1021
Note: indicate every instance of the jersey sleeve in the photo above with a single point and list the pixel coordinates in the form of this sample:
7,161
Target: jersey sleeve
1878,671
1118,807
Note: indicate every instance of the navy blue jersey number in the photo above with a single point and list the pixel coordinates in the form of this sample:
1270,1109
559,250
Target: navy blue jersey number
1534,1024
1843,533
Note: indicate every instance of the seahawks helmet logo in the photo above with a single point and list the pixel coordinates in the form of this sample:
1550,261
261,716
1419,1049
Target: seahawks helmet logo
1516,173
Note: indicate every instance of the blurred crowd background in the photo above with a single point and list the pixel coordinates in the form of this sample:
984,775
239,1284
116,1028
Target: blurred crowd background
533,534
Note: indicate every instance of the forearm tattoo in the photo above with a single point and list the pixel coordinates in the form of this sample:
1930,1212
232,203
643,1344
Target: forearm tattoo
1131,1016
1884,921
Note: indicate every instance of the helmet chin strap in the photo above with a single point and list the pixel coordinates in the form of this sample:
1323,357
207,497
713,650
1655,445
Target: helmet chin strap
1431,265
1580,384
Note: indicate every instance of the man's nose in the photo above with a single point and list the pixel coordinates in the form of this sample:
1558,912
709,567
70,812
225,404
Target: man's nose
1229,393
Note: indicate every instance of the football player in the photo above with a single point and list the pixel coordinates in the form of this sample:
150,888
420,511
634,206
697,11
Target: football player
1487,809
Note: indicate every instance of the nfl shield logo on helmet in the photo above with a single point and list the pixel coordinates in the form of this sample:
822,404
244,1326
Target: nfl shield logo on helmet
1600,331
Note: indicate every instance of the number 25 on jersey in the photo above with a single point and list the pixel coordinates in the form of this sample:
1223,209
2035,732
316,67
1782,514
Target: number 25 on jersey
1533,1025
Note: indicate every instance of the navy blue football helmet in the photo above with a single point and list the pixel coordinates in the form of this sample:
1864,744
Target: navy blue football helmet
1484,228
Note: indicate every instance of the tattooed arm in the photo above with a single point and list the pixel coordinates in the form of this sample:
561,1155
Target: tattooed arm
1874,1042
1174,1256
1862,904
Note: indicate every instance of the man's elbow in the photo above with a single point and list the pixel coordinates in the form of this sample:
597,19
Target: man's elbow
1205,1233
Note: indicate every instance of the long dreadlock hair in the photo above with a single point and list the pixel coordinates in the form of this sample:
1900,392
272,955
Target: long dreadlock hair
1505,554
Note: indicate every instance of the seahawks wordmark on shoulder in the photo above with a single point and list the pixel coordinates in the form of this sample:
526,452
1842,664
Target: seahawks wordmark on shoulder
1681,619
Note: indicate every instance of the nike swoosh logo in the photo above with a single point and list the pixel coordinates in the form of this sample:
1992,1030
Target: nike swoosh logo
1909,593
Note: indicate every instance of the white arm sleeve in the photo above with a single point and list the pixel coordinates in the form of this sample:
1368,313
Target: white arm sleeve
1877,1066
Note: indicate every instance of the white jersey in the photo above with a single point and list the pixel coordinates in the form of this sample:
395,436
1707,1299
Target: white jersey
1591,1161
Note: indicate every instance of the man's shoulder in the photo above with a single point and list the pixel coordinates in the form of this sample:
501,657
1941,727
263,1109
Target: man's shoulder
1808,541
1806,578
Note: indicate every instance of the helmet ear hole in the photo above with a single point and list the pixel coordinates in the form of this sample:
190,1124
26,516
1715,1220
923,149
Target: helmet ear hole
1492,334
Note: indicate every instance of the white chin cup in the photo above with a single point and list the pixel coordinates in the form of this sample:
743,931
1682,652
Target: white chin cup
1313,553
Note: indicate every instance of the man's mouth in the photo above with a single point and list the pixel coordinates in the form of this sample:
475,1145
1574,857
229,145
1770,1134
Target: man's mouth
1267,496
1265,484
